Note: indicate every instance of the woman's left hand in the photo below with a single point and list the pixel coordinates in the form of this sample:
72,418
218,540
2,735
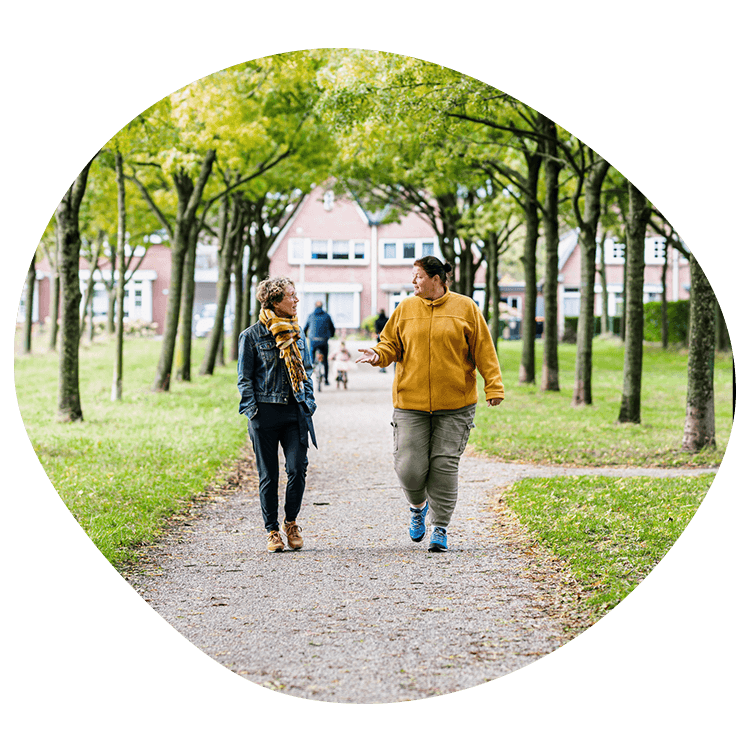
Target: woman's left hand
494,401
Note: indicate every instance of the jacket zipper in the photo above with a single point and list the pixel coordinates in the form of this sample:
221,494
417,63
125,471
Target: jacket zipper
429,359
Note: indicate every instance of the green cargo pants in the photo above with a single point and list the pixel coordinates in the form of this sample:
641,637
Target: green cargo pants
427,448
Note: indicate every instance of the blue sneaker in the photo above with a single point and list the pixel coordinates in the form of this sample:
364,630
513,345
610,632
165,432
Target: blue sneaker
438,540
417,528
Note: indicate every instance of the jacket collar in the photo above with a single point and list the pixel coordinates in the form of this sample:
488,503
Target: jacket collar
436,302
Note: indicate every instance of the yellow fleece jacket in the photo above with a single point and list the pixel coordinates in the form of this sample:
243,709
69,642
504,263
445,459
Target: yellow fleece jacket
438,345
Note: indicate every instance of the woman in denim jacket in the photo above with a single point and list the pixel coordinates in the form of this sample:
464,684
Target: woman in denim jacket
274,377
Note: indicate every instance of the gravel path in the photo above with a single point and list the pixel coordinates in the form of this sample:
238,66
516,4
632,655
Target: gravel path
361,614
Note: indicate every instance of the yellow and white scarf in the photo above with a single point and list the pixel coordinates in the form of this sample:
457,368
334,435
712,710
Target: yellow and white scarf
286,332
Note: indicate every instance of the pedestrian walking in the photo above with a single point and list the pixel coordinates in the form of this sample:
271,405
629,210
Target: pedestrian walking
319,328
342,363
380,322
274,377
319,369
438,340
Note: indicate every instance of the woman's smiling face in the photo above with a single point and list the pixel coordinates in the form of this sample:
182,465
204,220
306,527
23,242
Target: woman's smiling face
287,308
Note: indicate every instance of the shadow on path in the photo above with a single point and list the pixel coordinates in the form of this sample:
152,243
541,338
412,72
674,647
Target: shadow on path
361,614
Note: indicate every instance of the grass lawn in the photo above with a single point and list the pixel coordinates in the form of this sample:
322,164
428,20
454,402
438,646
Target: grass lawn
610,532
531,426
130,465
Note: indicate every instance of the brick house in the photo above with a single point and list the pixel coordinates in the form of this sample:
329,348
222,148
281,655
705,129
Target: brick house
569,277
355,264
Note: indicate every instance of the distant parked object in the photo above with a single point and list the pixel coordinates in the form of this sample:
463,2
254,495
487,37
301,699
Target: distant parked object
204,321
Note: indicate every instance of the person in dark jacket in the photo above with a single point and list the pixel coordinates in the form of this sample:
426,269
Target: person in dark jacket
319,328
274,377
380,322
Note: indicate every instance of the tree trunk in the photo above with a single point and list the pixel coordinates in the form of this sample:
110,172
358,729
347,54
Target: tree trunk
723,344
87,309
187,302
29,305
585,334
700,428
189,196
605,293
231,239
664,301
259,267
69,399
527,370
119,316
638,213
220,362
91,321
492,297
54,291
552,167
237,328
625,272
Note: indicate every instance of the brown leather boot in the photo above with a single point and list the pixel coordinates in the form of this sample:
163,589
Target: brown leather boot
275,542
293,536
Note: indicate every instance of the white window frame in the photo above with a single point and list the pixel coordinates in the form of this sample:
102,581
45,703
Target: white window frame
400,260
614,252
312,291
655,251
571,298
300,249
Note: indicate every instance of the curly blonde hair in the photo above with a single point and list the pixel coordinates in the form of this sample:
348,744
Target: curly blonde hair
271,291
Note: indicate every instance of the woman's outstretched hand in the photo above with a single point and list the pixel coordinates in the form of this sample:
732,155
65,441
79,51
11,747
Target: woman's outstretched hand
369,356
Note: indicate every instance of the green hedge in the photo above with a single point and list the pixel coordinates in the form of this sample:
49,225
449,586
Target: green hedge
368,324
678,321
678,317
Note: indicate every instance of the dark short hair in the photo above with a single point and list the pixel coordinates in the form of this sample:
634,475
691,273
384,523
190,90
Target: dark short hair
433,266
271,291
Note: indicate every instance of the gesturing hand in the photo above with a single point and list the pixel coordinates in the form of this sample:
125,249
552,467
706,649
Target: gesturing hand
494,401
369,356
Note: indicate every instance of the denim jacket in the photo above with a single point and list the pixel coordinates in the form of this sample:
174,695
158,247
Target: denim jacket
263,378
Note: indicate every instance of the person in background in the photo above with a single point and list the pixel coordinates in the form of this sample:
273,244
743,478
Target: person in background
438,339
342,363
319,370
380,322
318,329
274,377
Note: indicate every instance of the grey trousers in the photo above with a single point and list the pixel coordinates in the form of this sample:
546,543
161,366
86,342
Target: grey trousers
427,448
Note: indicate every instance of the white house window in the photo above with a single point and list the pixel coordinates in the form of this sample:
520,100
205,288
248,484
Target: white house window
656,250
328,198
406,251
319,249
341,250
327,251
571,302
296,249
614,252
340,301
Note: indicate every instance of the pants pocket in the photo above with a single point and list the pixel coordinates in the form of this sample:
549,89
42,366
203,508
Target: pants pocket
394,425
465,438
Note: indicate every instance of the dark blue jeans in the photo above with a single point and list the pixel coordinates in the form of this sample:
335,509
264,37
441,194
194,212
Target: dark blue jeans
274,425
320,346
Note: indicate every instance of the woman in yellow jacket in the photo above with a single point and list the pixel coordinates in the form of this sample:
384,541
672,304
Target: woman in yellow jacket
438,340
